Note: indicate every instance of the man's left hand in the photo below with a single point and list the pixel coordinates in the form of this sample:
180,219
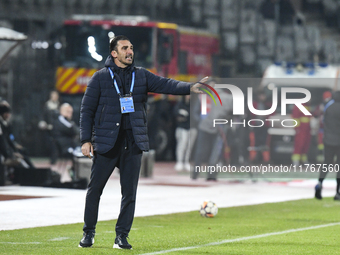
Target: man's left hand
195,87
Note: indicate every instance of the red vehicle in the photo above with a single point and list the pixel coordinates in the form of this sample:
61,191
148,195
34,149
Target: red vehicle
166,49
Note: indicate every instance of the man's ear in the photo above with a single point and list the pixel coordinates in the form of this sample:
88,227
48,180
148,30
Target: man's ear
114,53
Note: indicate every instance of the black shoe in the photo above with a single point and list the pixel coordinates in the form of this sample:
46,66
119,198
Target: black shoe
318,189
87,240
121,242
337,196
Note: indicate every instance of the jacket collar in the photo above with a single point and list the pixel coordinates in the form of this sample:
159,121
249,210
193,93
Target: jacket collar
110,63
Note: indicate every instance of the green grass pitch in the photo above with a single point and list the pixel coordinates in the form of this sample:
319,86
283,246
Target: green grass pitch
201,235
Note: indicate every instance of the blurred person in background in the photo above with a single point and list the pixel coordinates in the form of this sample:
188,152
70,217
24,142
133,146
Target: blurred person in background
65,133
208,136
51,107
182,113
302,136
50,114
260,150
13,153
319,114
238,142
331,140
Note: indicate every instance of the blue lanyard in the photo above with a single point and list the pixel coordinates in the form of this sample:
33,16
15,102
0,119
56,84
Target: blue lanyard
116,85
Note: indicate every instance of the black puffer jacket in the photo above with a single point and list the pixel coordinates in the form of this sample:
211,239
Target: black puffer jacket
100,115
332,121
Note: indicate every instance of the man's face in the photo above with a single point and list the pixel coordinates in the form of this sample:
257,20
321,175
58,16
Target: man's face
7,116
124,54
54,96
67,112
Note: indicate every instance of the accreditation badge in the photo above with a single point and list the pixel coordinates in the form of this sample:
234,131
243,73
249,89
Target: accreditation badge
126,104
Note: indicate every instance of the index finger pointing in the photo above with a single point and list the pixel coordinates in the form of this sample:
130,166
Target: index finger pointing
204,79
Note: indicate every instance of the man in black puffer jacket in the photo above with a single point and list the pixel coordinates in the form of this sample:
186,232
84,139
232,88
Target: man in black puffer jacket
331,142
113,128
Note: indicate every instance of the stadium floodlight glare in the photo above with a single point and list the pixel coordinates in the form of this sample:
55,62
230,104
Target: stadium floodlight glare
111,35
44,45
58,45
92,49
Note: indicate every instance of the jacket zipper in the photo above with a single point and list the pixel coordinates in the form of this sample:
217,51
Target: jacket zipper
101,114
144,112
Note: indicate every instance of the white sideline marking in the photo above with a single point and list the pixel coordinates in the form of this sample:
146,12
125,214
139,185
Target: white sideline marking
243,238
54,239
59,239
20,243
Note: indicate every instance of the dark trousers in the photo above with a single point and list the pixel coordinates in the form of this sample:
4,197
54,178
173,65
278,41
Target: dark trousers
204,146
330,152
127,157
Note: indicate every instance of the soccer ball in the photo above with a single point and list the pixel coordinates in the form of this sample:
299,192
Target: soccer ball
208,209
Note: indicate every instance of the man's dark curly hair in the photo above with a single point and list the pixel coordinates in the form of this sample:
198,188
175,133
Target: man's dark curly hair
114,42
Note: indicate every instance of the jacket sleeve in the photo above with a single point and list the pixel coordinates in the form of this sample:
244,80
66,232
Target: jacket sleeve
163,85
88,109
